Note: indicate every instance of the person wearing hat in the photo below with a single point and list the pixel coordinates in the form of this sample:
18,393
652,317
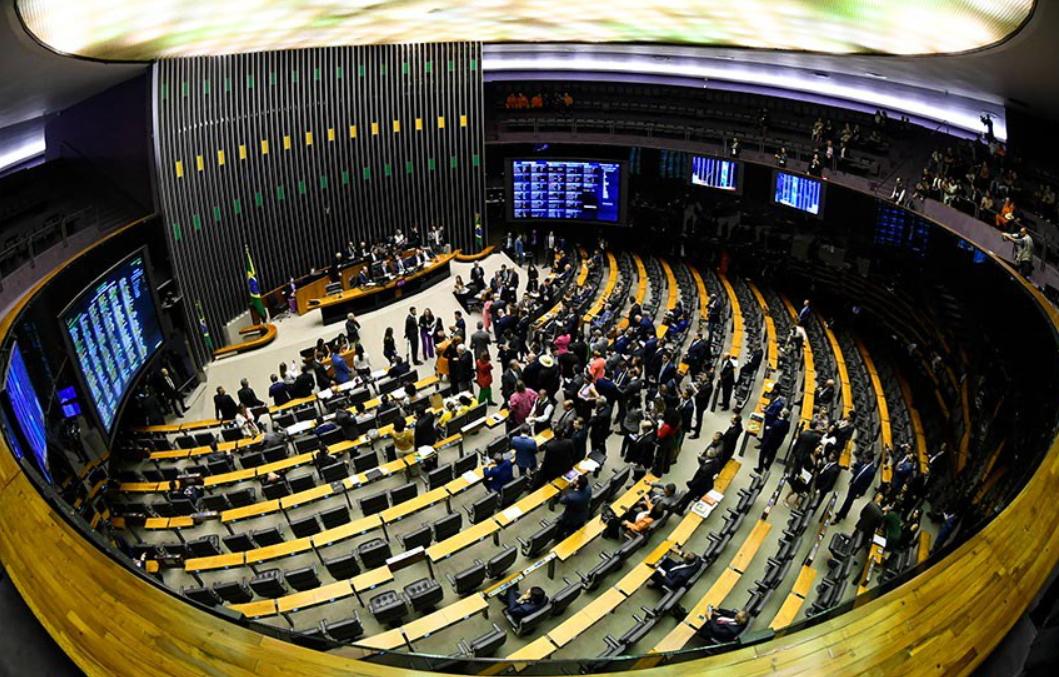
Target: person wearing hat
549,374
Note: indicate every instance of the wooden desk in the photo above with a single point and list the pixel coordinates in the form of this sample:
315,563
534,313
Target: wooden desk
737,318
462,540
268,335
581,621
369,580
285,549
594,527
325,594
353,529
429,624
750,546
248,511
225,561
258,609
467,258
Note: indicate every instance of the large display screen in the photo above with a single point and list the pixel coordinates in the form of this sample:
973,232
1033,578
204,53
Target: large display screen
566,190
144,30
896,227
800,192
27,411
715,172
113,330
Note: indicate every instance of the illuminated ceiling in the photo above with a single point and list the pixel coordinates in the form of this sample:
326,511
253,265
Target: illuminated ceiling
143,30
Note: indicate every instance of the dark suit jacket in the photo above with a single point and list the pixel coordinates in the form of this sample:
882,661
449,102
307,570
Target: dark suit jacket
871,516
411,328
224,406
248,397
303,385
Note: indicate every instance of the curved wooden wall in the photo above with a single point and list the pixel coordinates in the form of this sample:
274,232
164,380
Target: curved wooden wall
945,621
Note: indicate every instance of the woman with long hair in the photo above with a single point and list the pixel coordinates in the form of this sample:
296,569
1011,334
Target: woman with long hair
389,345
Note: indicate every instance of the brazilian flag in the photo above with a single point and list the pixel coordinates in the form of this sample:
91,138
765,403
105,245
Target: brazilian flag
255,289
203,327
479,238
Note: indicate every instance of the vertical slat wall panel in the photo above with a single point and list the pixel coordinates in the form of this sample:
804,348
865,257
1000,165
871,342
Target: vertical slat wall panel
299,202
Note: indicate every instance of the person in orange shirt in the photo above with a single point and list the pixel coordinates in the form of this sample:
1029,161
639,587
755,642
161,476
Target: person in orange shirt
511,102
537,101
1006,217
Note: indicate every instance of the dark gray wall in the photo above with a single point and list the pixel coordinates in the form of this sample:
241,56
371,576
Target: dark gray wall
295,205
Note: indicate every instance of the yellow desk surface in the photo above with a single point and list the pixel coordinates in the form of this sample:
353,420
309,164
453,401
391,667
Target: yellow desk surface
750,546
284,549
371,579
462,540
225,561
308,598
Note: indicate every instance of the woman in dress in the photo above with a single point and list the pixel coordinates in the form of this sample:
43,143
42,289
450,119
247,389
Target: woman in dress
389,345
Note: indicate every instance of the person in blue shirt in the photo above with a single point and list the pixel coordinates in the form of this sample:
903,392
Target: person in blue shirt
519,251
576,500
341,368
278,391
525,453
498,474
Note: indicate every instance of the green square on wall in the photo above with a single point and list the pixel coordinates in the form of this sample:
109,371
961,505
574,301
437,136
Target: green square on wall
258,200
387,169
476,160
216,213
196,221
323,182
404,67
367,173
430,164
408,167
279,193
338,72
249,81
453,162
206,87
176,232
345,177
430,66
360,70
301,188
238,206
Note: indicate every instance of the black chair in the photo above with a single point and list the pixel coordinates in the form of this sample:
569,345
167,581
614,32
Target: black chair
540,539
524,625
405,492
207,546
239,542
302,482
204,439
305,527
267,537
269,584
333,472
483,508
366,461
484,645
417,538
332,437
185,442
342,567
596,574
204,596
335,517
343,632
447,527
243,497
275,454
282,421
498,564
215,503
388,608
439,477
374,504
312,638
231,434
305,414
424,594
374,553
234,592
465,463
304,578
565,597
219,466
306,444
469,580
513,490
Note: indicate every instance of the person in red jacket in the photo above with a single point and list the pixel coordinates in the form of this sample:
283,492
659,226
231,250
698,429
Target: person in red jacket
485,379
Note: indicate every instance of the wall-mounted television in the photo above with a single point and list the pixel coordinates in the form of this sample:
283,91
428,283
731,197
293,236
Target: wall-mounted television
798,191
713,172
112,330
591,191
26,411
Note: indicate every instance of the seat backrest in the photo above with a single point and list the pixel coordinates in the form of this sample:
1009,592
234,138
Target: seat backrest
513,490
540,539
465,463
469,580
239,542
342,567
447,526
374,504
185,442
231,434
335,517
269,584
347,630
332,437
440,476
252,460
204,596
301,482
306,444
374,553
283,421
204,439
267,537
405,492
565,598
304,578
304,527
530,621
274,490
501,562
421,537
333,472
216,502
488,643
365,461
207,546
276,453
243,497
234,592
484,507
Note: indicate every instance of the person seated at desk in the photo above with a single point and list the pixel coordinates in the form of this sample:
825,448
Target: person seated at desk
320,426
576,498
520,606
634,520
404,441
363,279
677,572
499,473
347,423
399,267
723,625
399,368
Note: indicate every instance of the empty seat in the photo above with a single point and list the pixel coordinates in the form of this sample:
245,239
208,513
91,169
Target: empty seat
234,592
204,596
333,472
388,608
565,597
513,490
374,553
447,527
275,454
242,498
405,492
421,537
540,539
274,490
342,567
498,564
267,537
307,526
283,421
424,594
469,580
365,461
239,542
231,434
439,477
219,466
304,578
301,482
596,574
204,439
483,508
335,517
313,638
374,504
344,631
207,546
185,442
306,444
465,463
269,584
486,644
214,503
630,546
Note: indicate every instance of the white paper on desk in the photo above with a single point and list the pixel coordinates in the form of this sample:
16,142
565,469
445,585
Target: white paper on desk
471,476
702,509
378,374
714,496
513,513
324,394
879,540
588,465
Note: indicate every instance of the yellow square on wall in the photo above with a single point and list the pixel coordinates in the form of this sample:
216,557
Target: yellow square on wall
242,151
308,138
220,157
286,143
441,122
179,169
352,131
375,129
264,146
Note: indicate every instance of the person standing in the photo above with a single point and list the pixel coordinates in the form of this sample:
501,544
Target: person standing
703,393
1023,250
279,391
727,380
411,335
171,393
525,453
576,500
481,340
772,437
863,477
341,367
520,250
426,333
485,379
466,368
352,329
389,346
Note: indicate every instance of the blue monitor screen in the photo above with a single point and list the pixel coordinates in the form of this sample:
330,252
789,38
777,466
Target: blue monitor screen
113,329
568,190
28,413
800,192
714,173
896,227
66,394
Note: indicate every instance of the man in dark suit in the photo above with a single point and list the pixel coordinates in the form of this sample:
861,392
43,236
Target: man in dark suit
701,483
411,334
347,423
576,499
224,407
863,477
723,625
247,396
731,438
676,573
871,518
666,369
278,391
703,393
828,475
466,361
169,391
697,353
807,442
727,380
772,437
520,606
304,384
